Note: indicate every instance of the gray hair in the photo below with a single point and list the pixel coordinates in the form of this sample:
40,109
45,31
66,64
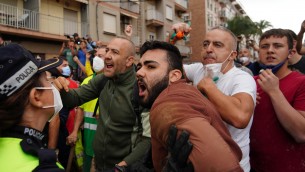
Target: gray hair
234,46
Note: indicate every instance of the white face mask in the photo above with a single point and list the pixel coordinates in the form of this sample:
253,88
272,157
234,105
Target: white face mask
214,70
244,59
57,100
98,64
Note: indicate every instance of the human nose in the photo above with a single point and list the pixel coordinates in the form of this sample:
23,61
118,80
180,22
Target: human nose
209,48
107,56
270,49
140,73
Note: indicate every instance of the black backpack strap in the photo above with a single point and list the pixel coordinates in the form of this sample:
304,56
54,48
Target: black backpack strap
47,161
102,85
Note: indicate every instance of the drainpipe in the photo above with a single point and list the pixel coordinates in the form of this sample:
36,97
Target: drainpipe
96,12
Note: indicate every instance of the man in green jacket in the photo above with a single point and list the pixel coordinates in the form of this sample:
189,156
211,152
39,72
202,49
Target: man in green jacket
118,141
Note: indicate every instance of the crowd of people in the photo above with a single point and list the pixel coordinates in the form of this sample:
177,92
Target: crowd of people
226,113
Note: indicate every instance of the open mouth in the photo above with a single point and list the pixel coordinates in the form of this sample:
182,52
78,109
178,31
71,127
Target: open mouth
108,66
270,58
142,88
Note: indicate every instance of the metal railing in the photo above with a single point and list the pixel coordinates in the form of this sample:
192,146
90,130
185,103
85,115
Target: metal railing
35,21
130,6
152,14
183,3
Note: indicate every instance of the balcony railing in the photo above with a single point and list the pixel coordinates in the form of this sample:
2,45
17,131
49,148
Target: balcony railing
183,3
31,20
130,6
154,15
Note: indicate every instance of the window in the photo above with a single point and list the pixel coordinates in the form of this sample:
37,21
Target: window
109,23
169,12
151,36
70,22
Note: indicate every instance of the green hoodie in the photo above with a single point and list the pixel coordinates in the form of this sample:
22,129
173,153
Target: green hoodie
116,132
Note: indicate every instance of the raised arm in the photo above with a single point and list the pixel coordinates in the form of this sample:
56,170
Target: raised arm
300,48
235,109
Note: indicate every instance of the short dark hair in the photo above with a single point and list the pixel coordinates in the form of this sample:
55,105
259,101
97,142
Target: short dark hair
174,57
280,33
63,58
293,34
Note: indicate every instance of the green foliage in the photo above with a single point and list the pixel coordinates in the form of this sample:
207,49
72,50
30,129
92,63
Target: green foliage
262,25
240,25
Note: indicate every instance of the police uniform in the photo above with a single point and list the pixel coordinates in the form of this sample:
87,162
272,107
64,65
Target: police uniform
22,149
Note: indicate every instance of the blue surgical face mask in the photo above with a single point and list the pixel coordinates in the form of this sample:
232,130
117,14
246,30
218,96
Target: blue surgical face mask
274,68
66,71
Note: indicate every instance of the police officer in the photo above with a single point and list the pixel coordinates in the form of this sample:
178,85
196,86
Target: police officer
27,101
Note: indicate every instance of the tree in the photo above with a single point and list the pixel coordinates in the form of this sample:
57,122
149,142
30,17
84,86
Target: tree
240,25
262,25
244,27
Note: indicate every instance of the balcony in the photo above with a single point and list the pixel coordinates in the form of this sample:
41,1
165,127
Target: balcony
12,17
154,18
223,3
223,14
130,6
181,5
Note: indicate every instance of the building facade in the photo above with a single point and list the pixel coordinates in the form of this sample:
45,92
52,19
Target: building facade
43,25
206,14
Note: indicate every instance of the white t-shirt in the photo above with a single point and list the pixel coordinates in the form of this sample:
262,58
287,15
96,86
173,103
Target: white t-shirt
233,82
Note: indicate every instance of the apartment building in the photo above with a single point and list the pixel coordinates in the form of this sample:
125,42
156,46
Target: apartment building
151,20
206,14
42,25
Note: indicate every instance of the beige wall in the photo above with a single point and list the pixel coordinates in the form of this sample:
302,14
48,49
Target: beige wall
52,15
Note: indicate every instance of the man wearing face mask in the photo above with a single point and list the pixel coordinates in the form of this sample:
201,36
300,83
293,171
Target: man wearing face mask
230,89
85,112
278,130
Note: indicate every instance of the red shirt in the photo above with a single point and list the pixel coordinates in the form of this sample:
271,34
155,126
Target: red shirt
271,147
71,117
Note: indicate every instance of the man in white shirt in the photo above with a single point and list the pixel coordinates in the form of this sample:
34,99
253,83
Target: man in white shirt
231,90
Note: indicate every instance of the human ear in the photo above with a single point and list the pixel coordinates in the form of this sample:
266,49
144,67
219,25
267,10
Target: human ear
129,61
291,53
35,98
233,55
175,75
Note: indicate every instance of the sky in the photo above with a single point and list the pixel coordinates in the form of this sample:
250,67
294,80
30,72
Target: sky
285,14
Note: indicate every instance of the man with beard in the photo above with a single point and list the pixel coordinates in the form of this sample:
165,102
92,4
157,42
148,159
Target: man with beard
117,142
173,101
